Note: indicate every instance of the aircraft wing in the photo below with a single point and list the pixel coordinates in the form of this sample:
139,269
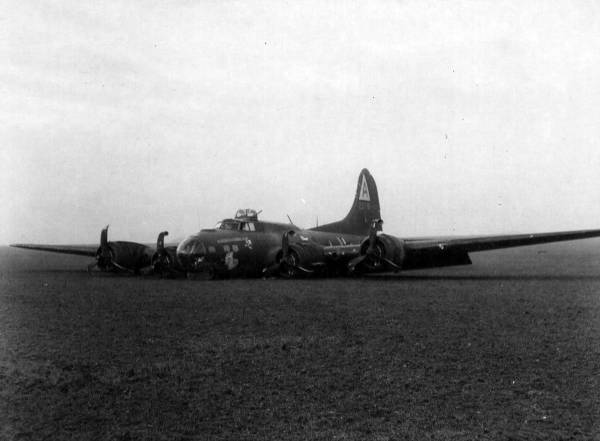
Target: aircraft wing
124,255
431,252
81,250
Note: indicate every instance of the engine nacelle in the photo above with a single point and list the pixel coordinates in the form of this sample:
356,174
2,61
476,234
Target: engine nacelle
306,254
129,256
296,257
387,248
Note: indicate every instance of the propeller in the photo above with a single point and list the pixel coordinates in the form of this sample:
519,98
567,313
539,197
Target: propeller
104,256
288,265
160,242
285,246
161,260
372,252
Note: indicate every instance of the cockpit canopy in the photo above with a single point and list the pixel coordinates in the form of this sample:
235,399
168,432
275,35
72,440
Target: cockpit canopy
236,225
246,213
246,219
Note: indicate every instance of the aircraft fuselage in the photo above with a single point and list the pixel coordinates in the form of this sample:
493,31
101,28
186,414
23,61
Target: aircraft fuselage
246,246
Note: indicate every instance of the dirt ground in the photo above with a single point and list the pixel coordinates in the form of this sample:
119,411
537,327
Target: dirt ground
506,349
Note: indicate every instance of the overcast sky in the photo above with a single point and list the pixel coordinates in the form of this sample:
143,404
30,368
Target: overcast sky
473,117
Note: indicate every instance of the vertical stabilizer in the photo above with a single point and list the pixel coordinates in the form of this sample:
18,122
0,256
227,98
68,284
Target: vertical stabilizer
364,209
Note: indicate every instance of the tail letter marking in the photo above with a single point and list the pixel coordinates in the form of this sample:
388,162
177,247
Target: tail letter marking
364,190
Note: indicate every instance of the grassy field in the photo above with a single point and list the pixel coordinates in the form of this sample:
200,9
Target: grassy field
506,349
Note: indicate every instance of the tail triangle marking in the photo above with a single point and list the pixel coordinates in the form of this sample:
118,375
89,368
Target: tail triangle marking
364,190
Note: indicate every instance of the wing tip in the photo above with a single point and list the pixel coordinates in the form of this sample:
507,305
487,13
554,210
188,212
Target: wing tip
26,246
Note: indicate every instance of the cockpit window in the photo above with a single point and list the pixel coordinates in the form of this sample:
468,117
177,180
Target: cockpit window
248,226
228,225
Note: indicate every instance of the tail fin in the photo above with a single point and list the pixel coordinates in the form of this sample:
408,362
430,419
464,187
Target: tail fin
364,209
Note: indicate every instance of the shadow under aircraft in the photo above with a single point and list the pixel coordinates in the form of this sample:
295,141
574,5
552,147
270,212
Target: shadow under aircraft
244,246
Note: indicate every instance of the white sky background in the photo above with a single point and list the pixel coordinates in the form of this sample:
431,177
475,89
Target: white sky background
473,117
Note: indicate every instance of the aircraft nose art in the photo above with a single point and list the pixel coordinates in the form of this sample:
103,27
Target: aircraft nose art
191,252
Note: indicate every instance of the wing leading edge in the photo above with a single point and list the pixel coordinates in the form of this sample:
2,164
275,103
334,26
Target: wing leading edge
80,250
424,253
484,243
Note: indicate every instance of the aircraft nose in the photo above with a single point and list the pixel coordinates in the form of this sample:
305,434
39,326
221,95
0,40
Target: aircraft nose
191,253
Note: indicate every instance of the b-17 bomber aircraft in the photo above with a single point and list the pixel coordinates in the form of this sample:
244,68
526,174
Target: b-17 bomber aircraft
244,246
